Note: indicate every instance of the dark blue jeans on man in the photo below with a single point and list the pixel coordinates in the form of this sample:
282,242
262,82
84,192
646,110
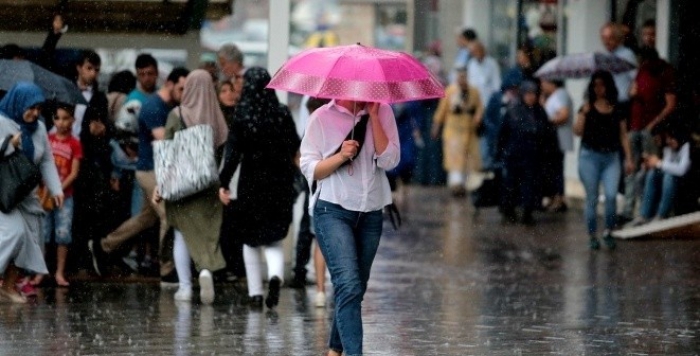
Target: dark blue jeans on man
349,242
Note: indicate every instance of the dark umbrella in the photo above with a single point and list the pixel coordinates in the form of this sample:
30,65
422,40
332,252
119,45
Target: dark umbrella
55,87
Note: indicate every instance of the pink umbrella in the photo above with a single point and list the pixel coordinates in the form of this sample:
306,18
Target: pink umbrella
358,73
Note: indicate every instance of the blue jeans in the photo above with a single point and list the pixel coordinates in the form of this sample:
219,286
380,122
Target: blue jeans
640,142
349,242
667,183
58,223
595,168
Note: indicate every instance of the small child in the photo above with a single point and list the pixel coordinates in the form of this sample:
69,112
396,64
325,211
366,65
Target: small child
67,153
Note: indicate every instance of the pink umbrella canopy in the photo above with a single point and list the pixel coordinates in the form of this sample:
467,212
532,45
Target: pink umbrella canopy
358,73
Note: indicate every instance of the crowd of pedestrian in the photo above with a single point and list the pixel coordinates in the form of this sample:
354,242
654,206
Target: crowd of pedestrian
634,140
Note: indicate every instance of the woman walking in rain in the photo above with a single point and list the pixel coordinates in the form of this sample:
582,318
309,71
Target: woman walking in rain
460,112
349,168
603,131
20,229
197,219
263,142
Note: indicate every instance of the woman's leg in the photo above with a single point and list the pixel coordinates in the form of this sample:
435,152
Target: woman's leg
274,254
341,235
182,261
611,177
319,269
589,173
649,194
253,261
668,193
63,229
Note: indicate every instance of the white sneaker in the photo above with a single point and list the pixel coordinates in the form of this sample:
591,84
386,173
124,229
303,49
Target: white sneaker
183,295
638,221
206,287
320,300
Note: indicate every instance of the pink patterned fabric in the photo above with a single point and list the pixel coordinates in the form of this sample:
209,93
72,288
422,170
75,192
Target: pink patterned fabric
357,73
582,65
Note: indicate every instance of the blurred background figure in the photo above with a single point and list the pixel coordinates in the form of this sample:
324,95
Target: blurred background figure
457,117
208,62
559,109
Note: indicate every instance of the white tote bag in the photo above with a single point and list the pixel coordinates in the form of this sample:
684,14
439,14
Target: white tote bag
186,164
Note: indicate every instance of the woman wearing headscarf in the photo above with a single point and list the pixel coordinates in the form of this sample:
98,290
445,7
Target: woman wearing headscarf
197,219
526,136
460,113
264,142
20,229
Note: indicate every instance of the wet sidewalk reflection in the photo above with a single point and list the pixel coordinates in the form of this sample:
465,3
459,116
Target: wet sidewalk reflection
445,284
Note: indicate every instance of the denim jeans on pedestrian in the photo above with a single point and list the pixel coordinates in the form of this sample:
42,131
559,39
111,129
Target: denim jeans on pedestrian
349,242
652,203
640,142
595,168
58,224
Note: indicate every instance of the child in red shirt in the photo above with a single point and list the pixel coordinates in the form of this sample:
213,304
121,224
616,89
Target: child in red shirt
67,152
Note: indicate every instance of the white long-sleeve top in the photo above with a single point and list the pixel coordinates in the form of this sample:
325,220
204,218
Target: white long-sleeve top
676,163
364,187
485,75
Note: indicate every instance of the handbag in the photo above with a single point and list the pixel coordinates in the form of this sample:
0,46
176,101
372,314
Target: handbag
186,164
18,177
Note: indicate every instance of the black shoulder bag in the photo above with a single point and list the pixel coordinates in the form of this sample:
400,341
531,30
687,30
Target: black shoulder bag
18,177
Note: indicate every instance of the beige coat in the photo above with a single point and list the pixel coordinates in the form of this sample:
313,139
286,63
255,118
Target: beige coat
460,142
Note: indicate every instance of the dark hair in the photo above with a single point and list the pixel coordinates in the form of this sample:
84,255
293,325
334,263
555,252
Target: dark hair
122,82
177,73
469,34
222,84
65,106
11,51
557,83
610,88
648,54
89,56
649,23
145,60
314,103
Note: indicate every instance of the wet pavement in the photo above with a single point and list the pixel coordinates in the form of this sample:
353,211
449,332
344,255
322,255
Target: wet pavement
445,284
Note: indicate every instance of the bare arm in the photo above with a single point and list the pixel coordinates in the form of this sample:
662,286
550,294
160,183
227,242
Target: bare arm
561,117
439,118
580,122
479,114
329,165
75,168
670,106
378,134
158,133
629,165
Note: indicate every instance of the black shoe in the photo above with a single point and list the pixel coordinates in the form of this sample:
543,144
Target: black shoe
509,216
622,220
97,256
256,301
609,241
273,295
170,280
297,283
594,243
527,219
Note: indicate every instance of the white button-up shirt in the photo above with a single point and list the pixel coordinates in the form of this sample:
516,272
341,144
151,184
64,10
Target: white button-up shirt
485,75
361,185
